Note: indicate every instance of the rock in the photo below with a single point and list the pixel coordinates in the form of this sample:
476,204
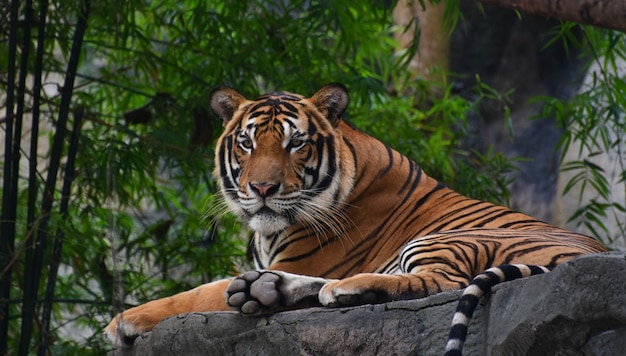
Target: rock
578,309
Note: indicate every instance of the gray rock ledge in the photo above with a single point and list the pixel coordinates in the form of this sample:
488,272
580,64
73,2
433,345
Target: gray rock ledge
578,309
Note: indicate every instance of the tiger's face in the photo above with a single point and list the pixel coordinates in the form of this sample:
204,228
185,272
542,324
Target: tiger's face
278,161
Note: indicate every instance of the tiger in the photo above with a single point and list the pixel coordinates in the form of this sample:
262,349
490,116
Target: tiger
341,219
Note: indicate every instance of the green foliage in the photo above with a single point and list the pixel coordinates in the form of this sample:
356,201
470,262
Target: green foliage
140,223
594,121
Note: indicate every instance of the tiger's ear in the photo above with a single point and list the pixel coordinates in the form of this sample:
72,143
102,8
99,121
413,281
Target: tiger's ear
224,102
332,100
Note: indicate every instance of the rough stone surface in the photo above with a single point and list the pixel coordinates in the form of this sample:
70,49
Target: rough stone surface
578,309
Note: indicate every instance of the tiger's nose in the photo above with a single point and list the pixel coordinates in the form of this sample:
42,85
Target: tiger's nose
264,190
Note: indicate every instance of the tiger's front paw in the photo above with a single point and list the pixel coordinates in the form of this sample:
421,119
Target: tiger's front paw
254,292
357,290
123,330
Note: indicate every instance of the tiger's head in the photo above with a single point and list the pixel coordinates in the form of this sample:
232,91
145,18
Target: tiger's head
281,158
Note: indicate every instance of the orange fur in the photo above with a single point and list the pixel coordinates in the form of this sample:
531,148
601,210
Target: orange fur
134,321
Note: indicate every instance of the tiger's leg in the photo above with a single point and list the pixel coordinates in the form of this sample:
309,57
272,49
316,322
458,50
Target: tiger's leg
372,288
264,291
126,326
449,260
257,292
423,271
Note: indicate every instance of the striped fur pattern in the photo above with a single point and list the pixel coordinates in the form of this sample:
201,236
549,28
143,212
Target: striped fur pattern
478,287
340,218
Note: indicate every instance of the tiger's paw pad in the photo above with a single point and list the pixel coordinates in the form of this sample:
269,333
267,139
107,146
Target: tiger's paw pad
254,292
332,295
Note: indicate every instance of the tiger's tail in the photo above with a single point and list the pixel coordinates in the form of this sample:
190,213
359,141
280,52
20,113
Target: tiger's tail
479,286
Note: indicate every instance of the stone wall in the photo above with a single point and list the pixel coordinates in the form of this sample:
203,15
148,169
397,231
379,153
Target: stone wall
578,309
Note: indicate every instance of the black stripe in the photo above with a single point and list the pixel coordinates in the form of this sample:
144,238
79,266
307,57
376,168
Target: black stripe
467,305
510,272
292,109
421,202
386,169
485,284
453,216
530,222
254,115
353,253
493,218
413,167
535,270
416,262
257,258
354,260
353,151
458,332
427,196
331,168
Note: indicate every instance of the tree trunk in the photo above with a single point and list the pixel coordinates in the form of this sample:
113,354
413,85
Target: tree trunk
431,59
609,14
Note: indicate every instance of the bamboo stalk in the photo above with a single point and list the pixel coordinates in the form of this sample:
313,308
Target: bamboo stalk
34,134
7,216
37,87
28,20
33,268
45,339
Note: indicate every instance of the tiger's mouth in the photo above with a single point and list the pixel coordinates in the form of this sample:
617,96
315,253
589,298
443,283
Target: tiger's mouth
267,211
264,210
266,221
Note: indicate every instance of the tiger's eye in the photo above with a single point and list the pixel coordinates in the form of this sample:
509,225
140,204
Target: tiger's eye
296,142
246,143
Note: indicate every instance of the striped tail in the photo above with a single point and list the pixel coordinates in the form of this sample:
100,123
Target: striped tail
479,286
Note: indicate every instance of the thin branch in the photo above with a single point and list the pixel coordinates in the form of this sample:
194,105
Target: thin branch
100,80
609,14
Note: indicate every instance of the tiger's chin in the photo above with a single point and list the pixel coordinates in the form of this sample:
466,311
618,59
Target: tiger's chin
268,224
